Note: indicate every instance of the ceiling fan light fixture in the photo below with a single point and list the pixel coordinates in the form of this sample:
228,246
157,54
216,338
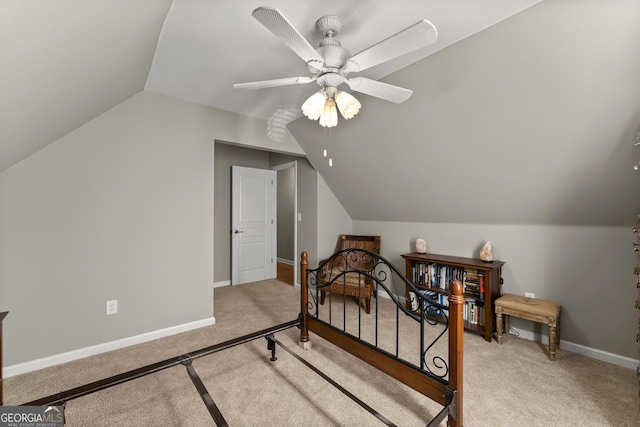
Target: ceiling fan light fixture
348,105
325,104
329,117
313,107
330,64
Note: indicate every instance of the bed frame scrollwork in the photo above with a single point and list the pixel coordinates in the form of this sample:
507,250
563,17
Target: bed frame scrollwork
346,324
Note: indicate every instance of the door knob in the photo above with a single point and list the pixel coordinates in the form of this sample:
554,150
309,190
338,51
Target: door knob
237,231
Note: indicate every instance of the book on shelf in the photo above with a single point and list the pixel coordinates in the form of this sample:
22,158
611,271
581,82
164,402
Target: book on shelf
473,313
440,276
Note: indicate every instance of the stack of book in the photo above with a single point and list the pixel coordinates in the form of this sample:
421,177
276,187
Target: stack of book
473,313
436,276
473,283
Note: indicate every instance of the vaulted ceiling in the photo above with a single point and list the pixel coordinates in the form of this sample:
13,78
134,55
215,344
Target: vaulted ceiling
523,111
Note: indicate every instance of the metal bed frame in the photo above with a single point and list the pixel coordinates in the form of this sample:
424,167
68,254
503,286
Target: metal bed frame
443,385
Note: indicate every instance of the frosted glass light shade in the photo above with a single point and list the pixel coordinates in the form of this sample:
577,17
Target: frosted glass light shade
314,105
329,116
347,104
324,105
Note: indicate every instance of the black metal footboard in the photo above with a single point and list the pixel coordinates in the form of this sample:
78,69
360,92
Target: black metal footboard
419,345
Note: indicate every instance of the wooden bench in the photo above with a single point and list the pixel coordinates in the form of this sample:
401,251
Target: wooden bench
537,310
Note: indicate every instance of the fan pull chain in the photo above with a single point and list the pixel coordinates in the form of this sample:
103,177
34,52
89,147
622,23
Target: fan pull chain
327,151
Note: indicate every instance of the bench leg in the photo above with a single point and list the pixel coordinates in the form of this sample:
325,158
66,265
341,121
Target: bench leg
552,342
507,324
499,326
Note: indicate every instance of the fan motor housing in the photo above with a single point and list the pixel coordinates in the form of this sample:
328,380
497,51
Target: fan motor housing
334,56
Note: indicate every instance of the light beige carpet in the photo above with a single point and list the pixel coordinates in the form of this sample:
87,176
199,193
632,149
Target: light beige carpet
513,384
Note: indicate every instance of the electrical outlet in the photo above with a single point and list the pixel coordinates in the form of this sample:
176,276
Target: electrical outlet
529,295
112,307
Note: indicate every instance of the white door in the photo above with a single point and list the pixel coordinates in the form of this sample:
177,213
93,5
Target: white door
253,227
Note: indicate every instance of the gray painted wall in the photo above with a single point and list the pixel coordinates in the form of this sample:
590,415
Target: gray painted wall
307,203
121,208
286,214
588,270
333,220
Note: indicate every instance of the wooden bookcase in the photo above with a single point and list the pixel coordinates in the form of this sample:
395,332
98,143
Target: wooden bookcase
434,273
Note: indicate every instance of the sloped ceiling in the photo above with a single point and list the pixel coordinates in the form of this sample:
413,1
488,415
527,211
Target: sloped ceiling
207,46
65,62
531,121
524,111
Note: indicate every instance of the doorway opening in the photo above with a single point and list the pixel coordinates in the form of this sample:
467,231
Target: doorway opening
287,230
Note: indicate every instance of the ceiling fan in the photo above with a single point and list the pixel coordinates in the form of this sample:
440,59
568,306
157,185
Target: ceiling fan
331,64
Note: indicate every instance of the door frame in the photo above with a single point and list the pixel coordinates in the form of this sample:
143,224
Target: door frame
293,164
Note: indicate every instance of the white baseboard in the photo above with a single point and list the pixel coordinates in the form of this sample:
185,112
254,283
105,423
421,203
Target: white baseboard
221,284
616,359
57,359
285,261
45,362
228,283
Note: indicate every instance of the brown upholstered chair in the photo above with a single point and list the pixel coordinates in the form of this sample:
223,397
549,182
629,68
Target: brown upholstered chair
350,286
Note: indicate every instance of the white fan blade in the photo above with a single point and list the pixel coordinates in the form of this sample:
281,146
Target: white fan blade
380,90
275,82
420,34
279,25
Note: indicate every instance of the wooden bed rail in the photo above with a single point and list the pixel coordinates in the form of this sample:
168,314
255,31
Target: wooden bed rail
446,392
